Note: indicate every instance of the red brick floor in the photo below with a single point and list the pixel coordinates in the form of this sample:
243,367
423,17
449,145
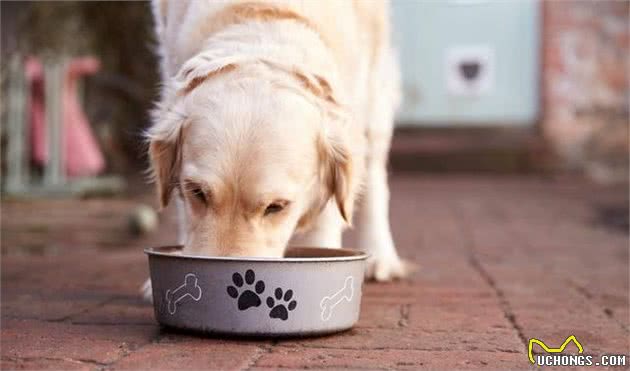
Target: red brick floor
502,259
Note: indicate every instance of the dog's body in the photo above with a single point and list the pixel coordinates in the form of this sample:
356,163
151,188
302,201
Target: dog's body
269,110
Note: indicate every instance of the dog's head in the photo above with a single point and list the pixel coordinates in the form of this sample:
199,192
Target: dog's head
256,151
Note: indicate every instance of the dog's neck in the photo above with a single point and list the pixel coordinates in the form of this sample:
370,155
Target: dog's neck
284,41
283,45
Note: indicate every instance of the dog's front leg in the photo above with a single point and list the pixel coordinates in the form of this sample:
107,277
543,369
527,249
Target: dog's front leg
325,232
373,228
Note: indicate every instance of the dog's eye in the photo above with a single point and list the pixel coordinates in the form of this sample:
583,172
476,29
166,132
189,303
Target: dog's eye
275,207
199,194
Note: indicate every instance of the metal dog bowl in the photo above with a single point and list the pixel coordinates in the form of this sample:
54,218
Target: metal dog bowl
310,291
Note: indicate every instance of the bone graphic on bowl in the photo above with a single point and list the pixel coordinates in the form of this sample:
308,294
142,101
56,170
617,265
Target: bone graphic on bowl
189,288
328,303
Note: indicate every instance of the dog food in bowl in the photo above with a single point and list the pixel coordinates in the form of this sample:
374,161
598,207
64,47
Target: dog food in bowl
309,291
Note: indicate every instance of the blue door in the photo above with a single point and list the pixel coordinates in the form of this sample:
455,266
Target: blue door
468,62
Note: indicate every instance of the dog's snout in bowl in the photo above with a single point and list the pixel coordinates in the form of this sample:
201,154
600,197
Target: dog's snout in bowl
310,291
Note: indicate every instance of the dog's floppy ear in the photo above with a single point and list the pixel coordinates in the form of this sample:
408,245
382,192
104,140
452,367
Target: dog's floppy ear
166,164
334,151
336,162
165,155
166,136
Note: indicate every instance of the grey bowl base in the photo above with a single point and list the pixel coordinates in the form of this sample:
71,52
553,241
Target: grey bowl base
254,335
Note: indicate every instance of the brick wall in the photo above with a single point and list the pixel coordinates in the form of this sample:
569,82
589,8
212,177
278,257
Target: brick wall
585,85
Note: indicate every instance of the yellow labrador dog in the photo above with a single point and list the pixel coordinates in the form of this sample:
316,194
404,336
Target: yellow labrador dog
275,116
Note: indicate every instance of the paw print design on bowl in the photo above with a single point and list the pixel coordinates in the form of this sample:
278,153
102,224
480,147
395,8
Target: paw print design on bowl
281,305
245,291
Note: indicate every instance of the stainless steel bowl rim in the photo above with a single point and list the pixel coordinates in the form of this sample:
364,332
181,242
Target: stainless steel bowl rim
352,256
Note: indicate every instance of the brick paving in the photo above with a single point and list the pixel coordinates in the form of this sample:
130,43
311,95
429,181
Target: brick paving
502,259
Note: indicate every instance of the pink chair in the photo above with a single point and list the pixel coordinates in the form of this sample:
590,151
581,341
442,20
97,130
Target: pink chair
81,153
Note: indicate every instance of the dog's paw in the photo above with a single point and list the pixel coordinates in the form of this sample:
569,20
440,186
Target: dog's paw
385,268
146,291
